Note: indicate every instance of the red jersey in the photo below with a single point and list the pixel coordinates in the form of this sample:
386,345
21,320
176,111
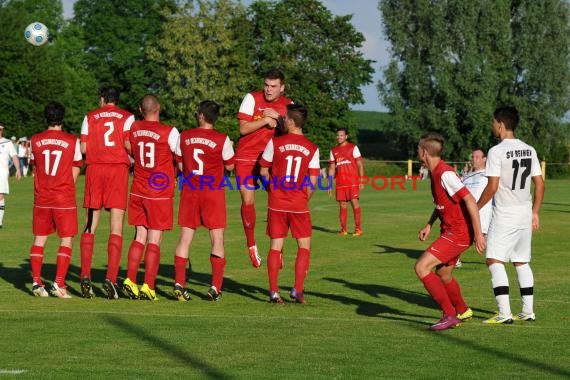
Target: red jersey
251,145
153,146
54,154
292,159
104,131
448,191
204,153
345,158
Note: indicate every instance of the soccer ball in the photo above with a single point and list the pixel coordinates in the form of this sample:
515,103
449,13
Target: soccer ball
36,33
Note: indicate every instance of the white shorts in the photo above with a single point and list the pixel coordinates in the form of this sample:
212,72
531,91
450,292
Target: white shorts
509,244
4,188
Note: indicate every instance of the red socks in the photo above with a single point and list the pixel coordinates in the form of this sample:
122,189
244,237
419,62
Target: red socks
218,266
134,260
180,270
343,217
273,267
357,218
437,290
114,253
301,267
151,261
36,260
62,264
86,251
248,220
454,292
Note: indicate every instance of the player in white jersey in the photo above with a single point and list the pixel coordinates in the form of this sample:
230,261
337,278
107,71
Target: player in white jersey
476,181
511,165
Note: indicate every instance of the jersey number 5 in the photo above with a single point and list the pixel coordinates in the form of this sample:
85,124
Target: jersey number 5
526,164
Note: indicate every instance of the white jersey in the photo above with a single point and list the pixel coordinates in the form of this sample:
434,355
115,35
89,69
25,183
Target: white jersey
514,162
476,182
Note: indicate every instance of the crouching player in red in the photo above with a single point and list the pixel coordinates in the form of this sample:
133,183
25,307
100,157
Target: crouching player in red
294,164
56,156
203,153
459,215
152,195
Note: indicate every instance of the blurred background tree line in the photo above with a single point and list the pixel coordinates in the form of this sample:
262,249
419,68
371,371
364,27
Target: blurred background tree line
452,63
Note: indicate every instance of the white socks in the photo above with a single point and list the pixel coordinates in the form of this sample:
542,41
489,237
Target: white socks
526,285
500,283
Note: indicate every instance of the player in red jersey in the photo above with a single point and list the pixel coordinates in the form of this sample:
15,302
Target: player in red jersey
258,117
103,141
56,156
294,164
460,226
153,146
203,153
346,164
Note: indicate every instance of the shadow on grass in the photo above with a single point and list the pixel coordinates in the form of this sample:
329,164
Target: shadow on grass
324,229
411,253
198,283
377,291
169,349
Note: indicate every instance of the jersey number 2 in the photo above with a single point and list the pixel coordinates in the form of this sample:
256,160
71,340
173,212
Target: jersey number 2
526,164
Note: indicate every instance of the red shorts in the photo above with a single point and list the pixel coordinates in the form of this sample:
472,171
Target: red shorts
247,171
448,250
202,208
48,220
156,214
346,194
106,186
279,222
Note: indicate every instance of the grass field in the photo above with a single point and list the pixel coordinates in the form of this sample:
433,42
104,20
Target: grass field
366,317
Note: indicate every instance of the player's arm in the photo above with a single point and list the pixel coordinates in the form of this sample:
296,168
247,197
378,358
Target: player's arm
360,168
247,127
537,200
332,171
228,155
75,172
16,162
424,232
489,192
473,211
266,162
314,172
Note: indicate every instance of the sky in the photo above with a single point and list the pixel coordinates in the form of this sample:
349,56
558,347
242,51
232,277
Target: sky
366,19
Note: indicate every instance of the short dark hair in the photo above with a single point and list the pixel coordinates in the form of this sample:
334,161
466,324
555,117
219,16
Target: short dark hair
481,149
432,142
508,115
110,94
210,110
54,113
298,113
275,74
344,129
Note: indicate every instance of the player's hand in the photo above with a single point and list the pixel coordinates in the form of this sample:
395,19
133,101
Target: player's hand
480,243
361,186
329,192
535,222
424,232
18,175
270,112
270,122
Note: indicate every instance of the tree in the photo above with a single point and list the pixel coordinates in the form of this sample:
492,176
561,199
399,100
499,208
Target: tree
116,34
454,62
319,54
206,53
